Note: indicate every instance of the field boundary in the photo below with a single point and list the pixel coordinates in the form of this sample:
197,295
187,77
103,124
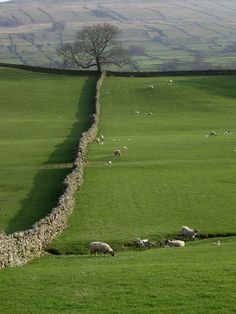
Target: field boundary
119,73
21,247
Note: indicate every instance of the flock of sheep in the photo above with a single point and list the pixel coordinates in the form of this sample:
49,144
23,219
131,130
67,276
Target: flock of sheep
186,233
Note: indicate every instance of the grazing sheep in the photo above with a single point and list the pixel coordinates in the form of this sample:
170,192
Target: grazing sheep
170,81
151,86
174,243
117,153
149,113
125,147
101,247
227,132
188,233
212,133
136,112
109,162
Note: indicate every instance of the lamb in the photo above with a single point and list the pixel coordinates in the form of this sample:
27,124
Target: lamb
117,153
101,247
188,233
174,243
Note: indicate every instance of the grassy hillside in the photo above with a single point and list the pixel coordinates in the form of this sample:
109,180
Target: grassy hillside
41,119
160,34
170,175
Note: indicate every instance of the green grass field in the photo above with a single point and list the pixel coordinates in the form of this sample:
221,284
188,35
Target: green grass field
41,119
170,175
200,278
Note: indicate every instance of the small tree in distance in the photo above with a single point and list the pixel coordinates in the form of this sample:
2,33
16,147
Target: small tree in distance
95,46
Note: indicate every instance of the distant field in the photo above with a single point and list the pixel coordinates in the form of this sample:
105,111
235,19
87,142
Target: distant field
170,175
181,34
41,119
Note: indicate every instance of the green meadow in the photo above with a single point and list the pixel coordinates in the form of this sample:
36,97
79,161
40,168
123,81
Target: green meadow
41,119
170,174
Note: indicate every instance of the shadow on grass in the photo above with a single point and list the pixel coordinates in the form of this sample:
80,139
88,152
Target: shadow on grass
48,182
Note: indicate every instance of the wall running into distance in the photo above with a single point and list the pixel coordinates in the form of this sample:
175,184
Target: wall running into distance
21,247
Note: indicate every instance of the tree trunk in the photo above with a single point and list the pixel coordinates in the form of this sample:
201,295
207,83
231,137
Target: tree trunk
98,65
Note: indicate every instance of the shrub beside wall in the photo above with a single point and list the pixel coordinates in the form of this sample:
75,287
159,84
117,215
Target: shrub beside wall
21,247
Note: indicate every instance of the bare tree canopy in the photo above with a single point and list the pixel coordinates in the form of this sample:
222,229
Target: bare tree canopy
95,46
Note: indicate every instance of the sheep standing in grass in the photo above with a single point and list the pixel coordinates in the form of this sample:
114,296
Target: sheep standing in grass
174,243
188,233
101,247
117,153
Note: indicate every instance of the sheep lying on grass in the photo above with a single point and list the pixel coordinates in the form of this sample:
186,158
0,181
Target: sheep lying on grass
101,247
142,242
174,243
188,233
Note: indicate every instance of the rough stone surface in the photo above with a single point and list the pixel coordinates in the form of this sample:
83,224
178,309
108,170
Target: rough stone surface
21,247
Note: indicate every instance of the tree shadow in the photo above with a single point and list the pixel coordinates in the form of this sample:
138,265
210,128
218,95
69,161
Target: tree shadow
48,182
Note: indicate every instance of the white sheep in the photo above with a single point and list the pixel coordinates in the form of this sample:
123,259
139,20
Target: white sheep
102,137
174,243
227,132
188,233
136,112
117,152
212,133
151,86
139,242
101,247
216,243
142,242
98,140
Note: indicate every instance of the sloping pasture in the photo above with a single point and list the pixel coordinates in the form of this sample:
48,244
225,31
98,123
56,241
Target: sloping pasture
172,173
41,119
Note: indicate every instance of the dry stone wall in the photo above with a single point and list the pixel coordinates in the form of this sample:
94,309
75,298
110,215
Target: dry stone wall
19,248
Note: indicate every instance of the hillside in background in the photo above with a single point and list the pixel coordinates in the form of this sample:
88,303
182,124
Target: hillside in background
161,35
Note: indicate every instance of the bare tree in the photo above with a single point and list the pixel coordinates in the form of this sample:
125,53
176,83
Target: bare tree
95,46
